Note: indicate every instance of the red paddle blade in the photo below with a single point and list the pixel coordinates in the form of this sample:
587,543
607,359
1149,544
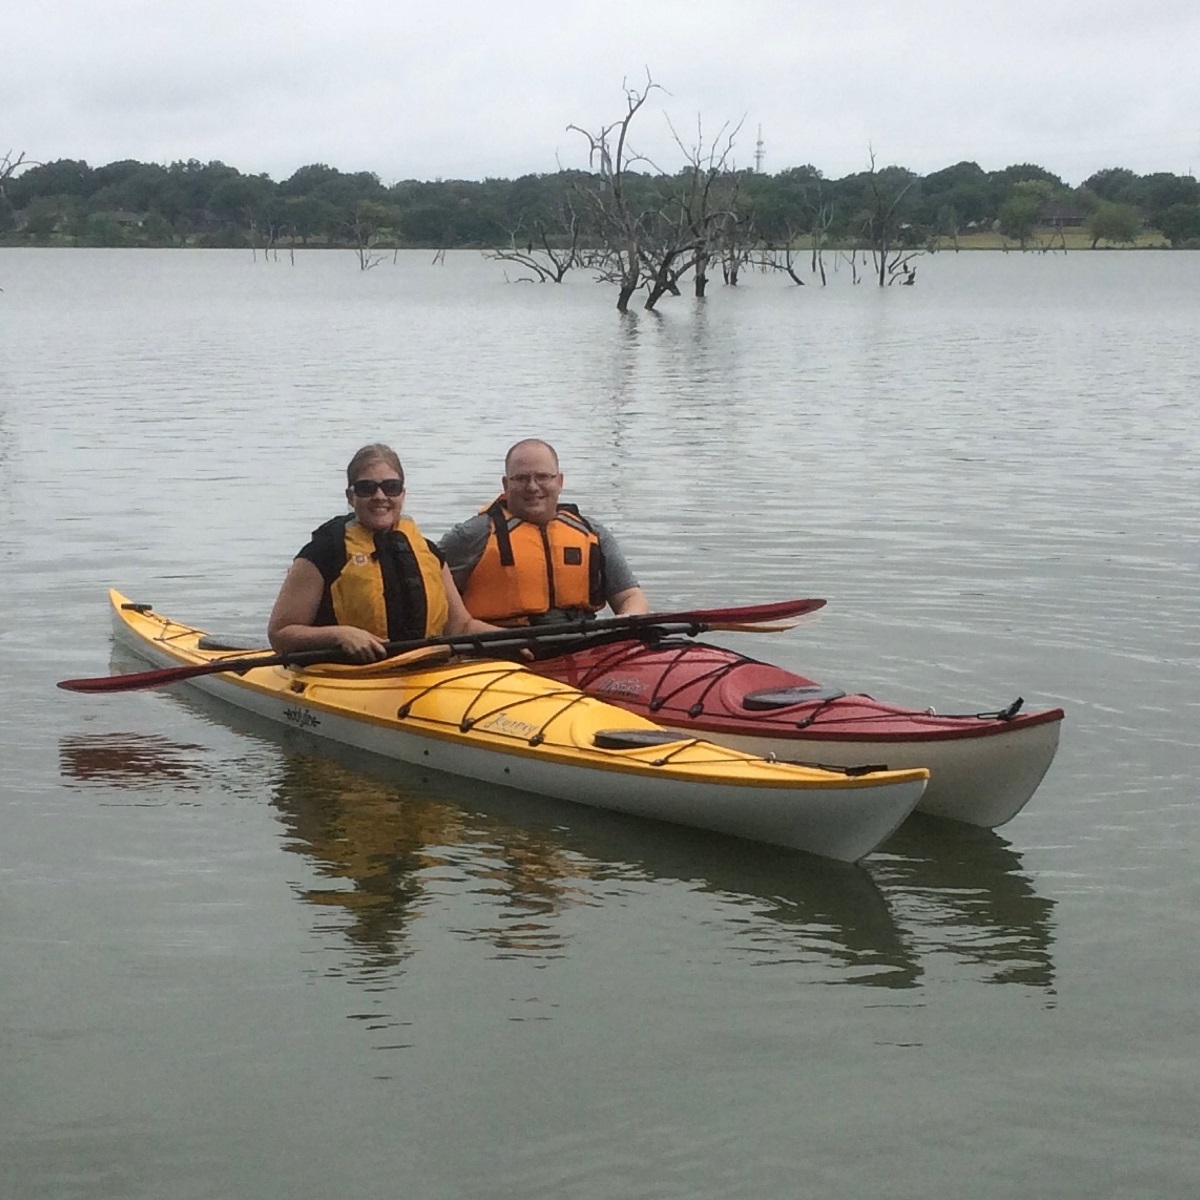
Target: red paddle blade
746,614
146,679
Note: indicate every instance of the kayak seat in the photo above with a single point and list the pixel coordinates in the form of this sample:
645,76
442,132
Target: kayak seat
231,641
634,739
788,697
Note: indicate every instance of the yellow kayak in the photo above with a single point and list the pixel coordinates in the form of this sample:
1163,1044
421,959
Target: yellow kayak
498,722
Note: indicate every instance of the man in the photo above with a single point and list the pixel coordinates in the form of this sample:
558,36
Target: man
527,558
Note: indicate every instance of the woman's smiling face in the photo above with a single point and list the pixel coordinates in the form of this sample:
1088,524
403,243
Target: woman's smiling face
376,511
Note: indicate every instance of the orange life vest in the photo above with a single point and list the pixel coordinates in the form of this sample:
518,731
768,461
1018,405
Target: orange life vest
526,569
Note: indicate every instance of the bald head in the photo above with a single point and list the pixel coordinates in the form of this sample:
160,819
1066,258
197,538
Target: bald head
532,481
533,444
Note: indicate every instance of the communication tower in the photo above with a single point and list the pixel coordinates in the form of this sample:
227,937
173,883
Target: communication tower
758,153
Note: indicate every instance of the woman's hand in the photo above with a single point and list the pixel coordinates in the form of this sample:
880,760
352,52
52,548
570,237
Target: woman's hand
357,644
291,625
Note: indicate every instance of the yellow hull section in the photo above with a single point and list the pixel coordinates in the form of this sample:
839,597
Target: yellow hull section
496,720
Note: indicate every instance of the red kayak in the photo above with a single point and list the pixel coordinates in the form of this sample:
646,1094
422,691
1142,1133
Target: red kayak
984,767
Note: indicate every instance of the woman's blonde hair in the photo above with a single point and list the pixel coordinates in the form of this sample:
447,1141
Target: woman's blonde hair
375,452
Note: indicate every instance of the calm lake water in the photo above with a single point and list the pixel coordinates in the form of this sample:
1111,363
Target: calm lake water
232,965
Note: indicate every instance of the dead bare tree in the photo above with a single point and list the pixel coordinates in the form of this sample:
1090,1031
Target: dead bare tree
540,253
651,234
369,222
611,211
883,229
9,166
809,237
737,240
700,219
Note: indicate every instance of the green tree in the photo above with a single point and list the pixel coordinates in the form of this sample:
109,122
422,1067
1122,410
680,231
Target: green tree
64,177
1117,185
42,217
346,191
143,190
307,217
1108,222
307,180
957,196
1020,213
1180,225
1018,216
1162,190
190,186
1026,173
790,204
157,230
241,199
101,229
428,225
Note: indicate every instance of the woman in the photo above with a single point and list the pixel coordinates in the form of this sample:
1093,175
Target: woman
368,578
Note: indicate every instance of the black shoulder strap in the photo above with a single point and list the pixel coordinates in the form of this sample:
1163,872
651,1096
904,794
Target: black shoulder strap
334,527
499,521
573,509
403,587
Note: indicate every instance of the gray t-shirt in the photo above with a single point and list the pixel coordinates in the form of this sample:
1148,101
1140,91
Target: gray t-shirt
463,547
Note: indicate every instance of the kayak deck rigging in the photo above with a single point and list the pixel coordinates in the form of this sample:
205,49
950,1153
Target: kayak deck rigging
677,674
984,766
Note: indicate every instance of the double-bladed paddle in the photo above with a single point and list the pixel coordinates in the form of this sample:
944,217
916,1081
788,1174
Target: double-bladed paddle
746,618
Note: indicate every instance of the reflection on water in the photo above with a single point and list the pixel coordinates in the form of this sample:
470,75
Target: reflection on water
390,844
961,891
130,760
396,849
939,889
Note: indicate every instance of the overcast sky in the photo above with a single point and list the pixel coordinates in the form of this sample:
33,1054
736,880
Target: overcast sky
479,88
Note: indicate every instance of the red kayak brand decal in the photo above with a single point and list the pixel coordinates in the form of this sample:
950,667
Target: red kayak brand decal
301,718
502,723
621,687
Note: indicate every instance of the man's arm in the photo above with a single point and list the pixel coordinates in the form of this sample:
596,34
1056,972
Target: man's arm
630,603
463,546
622,592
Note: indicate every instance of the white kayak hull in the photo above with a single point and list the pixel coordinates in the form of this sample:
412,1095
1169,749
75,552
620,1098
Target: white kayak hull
982,781
827,815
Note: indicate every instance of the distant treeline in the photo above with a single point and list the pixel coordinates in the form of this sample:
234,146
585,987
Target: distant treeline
131,203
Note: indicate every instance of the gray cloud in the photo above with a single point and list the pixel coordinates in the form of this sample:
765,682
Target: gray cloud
475,89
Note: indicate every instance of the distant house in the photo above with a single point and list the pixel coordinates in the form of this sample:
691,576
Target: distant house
1062,216
121,217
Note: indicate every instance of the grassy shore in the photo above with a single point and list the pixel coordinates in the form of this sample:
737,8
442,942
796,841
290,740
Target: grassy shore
1051,239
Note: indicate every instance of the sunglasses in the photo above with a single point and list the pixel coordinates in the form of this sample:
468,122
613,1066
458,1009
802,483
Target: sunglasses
365,488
